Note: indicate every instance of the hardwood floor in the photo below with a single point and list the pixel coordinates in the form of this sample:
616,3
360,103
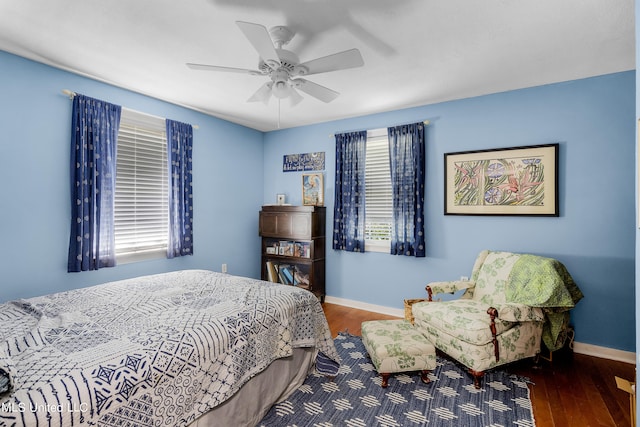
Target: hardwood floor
572,390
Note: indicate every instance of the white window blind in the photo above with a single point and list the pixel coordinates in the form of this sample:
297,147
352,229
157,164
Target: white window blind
141,199
378,192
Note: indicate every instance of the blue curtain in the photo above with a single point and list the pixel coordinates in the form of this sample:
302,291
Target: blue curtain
179,146
94,133
406,152
349,206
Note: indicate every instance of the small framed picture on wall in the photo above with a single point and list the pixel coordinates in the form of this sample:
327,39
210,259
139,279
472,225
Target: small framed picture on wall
312,189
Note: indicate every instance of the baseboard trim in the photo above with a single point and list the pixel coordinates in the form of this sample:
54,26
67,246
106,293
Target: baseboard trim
389,311
578,347
604,352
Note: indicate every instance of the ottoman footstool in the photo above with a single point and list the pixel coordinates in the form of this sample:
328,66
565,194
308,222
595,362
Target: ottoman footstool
397,346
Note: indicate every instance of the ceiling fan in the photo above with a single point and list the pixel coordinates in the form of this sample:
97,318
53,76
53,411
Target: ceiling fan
283,66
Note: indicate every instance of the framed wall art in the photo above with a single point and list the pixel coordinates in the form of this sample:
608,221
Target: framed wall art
303,162
506,181
312,189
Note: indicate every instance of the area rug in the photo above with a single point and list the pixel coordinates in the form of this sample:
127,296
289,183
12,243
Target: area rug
354,397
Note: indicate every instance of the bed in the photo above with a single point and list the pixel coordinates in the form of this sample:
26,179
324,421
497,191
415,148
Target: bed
187,348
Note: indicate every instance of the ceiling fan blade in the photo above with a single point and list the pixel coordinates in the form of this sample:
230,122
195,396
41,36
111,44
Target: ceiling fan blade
294,97
259,37
338,61
205,67
322,93
263,94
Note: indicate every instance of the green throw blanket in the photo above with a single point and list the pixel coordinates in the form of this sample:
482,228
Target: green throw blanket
545,282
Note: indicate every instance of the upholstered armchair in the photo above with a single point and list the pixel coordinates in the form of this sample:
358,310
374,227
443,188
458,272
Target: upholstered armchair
511,303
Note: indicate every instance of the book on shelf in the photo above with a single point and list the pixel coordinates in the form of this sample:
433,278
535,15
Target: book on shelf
272,272
301,279
286,274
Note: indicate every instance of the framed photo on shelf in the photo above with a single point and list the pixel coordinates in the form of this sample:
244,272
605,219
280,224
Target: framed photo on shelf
506,181
288,248
312,189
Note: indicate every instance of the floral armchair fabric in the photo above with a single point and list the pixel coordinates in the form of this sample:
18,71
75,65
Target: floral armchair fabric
512,302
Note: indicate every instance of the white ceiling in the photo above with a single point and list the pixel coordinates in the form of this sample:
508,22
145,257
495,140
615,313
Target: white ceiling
416,52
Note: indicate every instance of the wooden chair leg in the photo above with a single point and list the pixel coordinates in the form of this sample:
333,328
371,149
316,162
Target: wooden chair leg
424,376
385,380
477,378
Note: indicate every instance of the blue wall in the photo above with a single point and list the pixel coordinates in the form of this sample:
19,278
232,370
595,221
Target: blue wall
591,119
35,122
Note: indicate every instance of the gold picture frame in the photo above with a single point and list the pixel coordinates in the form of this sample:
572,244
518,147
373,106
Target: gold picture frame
506,181
313,189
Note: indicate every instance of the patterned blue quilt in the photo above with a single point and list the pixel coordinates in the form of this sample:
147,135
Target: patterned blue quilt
152,351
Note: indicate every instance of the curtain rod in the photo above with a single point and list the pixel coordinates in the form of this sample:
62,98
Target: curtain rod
71,94
426,122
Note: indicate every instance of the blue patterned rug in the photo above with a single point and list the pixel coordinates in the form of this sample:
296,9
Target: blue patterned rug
355,399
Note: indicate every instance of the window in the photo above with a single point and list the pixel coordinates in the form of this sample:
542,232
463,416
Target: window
141,195
379,202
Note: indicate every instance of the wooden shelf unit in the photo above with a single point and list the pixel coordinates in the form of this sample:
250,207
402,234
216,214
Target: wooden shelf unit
294,246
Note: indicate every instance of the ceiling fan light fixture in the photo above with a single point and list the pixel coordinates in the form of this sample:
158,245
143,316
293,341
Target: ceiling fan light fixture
263,94
281,89
294,97
280,79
